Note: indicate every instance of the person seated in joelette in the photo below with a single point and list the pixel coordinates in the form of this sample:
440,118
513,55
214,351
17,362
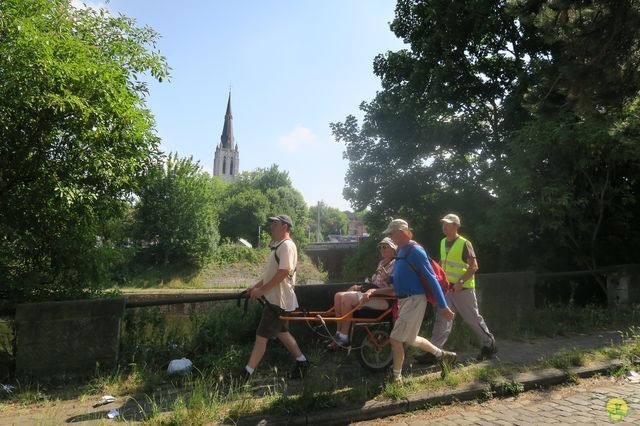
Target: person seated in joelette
345,301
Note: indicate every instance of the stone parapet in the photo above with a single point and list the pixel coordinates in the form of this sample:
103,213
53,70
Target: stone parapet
67,338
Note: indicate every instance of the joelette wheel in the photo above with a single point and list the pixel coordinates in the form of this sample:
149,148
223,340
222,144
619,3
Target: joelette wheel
374,349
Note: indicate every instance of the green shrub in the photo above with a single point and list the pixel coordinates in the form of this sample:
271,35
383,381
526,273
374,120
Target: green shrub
363,263
228,253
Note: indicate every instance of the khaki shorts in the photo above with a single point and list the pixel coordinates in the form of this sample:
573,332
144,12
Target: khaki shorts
410,316
270,323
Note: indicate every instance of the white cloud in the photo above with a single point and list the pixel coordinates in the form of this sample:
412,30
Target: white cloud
299,136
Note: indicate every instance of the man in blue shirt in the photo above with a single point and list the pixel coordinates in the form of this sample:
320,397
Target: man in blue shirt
412,299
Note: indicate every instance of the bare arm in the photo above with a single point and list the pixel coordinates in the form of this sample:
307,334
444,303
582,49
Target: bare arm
472,263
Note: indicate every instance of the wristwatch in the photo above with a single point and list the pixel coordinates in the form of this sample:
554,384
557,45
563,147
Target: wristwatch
460,281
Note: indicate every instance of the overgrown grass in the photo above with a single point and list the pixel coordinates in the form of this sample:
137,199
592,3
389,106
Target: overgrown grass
220,341
567,359
231,266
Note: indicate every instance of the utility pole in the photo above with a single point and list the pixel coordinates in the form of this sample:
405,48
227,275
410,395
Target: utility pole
259,236
318,223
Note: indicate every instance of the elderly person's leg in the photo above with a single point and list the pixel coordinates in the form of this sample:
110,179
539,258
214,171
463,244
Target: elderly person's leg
344,302
302,364
291,344
397,349
424,345
410,315
259,348
349,301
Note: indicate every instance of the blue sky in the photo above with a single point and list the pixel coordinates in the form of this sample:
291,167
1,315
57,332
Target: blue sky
293,66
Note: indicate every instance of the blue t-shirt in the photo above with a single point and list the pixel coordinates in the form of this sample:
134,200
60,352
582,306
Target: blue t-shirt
406,282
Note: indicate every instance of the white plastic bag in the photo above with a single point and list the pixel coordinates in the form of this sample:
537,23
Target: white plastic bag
179,366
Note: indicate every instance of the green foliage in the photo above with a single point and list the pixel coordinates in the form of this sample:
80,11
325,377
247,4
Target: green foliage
176,213
487,374
75,136
244,212
332,220
362,264
511,388
227,254
219,340
257,195
148,338
520,116
566,359
220,334
395,390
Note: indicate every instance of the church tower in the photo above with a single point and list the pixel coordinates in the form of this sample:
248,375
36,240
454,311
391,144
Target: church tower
226,162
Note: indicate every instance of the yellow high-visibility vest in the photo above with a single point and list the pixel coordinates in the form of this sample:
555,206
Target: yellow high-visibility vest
453,264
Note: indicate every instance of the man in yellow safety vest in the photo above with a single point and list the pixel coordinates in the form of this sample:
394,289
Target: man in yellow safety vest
458,259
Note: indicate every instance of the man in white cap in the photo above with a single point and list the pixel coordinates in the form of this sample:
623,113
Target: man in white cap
412,264
275,289
458,259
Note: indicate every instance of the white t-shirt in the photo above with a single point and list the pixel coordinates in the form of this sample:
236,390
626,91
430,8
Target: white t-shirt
282,294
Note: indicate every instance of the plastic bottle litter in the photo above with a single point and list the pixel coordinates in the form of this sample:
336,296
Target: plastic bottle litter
113,413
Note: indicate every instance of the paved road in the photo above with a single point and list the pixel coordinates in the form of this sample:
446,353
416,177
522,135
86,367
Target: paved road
583,404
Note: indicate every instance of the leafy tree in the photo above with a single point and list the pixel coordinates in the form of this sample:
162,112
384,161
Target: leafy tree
257,195
519,116
287,200
243,214
577,158
177,213
263,179
332,220
75,134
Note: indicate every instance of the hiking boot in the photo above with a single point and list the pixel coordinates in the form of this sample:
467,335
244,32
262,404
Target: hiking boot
300,370
426,358
446,361
337,343
242,376
392,378
487,352
396,380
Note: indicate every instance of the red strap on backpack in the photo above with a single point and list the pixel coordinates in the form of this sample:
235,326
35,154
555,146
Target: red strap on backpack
440,274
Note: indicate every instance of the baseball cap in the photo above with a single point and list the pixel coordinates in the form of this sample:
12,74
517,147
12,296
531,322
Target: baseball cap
282,218
396,225
451,218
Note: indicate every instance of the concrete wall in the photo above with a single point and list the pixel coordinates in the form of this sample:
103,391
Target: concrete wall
506,298
331,256
70,337
503,298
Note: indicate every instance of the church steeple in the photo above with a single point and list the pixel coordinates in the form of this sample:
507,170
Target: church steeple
226,139
226,161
